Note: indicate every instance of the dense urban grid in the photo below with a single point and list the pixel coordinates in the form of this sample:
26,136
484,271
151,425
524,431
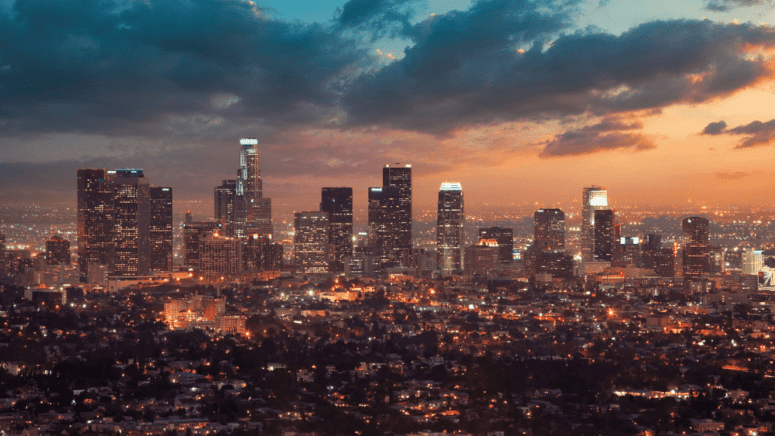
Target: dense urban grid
550,322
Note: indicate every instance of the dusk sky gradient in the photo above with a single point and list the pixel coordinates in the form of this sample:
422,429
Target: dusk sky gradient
659,101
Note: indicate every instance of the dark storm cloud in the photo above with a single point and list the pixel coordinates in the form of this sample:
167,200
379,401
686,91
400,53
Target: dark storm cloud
92,66
206,70
609,134
465,69
757,132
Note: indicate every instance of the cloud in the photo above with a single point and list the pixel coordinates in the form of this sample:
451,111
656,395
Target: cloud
758,133
726,5
609,134
176,73
119,68
732,175
499,62
714,128
375,16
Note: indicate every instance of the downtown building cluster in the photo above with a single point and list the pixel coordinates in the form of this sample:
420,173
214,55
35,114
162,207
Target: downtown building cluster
124,225
125,232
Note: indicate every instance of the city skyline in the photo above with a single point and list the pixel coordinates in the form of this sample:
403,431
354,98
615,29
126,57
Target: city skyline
661,105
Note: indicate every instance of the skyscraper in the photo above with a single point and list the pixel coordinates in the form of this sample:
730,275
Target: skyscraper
219,256
160,230
753,261
603,235
225,196
57,251
310,242
383,203
399,176
132,242
338,203
253,212
549,229
505,238
193,233
695,229
696,249
96,216
450,228
593,198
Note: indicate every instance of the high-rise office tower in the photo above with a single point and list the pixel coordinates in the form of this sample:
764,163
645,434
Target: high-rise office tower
253,212
259,253
96,217
310,242
399,176
628,250
160,230
57,251
695,229
450,228
132,223
753,261
593,198
383,203
696,249
338,203
225,196
219,256
650,247
193,233
505,238
603,235
549,225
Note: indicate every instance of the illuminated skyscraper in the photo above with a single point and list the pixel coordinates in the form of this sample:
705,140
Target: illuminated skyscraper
603,235
310,242
253,212
219,256
383,203
593,198
753,261
224,201
57,251
160,230
193,233
505,238
96,217
696,229
549,229
131,232
338,203
696,249
450,228
399,243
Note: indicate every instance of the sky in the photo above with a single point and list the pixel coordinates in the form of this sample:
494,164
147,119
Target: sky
661,102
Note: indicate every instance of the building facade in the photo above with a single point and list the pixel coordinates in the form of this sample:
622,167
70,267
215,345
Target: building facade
549,229
160,230
505,238
399,177
603,241
310,242
450,228
592,198
57,251
338,204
